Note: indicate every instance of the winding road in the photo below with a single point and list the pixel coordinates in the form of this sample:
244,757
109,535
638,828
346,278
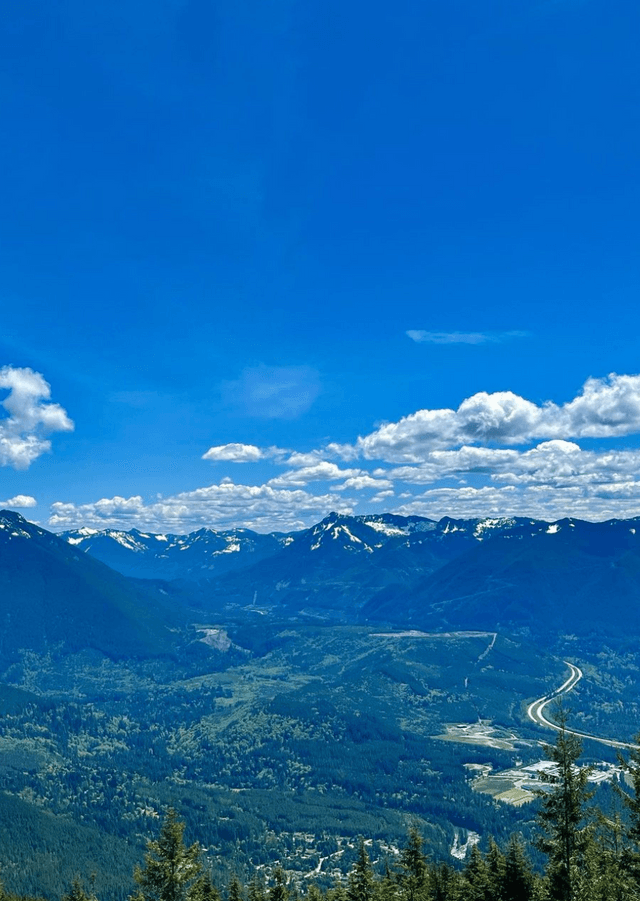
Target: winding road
535,710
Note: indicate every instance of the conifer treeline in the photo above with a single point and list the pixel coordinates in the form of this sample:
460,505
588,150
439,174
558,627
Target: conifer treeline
589,857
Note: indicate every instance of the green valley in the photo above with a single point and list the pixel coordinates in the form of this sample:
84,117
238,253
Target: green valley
289,738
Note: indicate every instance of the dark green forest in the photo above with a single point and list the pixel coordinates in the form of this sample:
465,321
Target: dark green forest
587,855
282,749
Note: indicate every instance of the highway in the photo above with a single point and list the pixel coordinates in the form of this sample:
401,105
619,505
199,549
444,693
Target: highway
535,710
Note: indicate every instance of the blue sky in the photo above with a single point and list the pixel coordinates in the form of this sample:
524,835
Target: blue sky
245,244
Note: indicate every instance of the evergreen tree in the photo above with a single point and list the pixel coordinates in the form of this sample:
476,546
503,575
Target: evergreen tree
606,875
562,815
203,889
477,878
413,877
279,891
76,892
234,891
170,869
496,868
631,854
360,882
444,882
337,893
386,889
518,876
256,891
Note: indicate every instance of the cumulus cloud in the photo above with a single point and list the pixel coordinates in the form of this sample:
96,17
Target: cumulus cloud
273,392
362,482
420,336
381,497
553,463
502,417
605,408
319,471
497,454
552,480
20,501
443,464
243,453
563,463
541,502
466,502
225,505
304,459
29,419
234,453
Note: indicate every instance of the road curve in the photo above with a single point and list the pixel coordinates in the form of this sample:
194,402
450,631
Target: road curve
535,711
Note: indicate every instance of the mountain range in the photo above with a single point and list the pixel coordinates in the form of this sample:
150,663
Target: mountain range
331,681
194,556
512,573
135,593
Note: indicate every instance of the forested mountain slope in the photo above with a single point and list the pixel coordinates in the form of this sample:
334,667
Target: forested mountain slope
516,573
54,597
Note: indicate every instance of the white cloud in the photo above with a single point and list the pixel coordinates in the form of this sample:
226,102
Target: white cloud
420,336
20,501
273,392
244,453
316,472
361,482
497,454
406,440
542,502
382,496
346,452
226,505
553,463
561,463
234,453
464,502
441,464
604,408
30,417
307,459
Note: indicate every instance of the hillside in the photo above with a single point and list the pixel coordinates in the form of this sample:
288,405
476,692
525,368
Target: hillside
195,556
53,598
575,576
516,573
281,715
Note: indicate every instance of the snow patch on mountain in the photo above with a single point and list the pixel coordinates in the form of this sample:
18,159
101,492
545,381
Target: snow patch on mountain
385,528
232,548
452,527
348,533
486,524
127,540
16,532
